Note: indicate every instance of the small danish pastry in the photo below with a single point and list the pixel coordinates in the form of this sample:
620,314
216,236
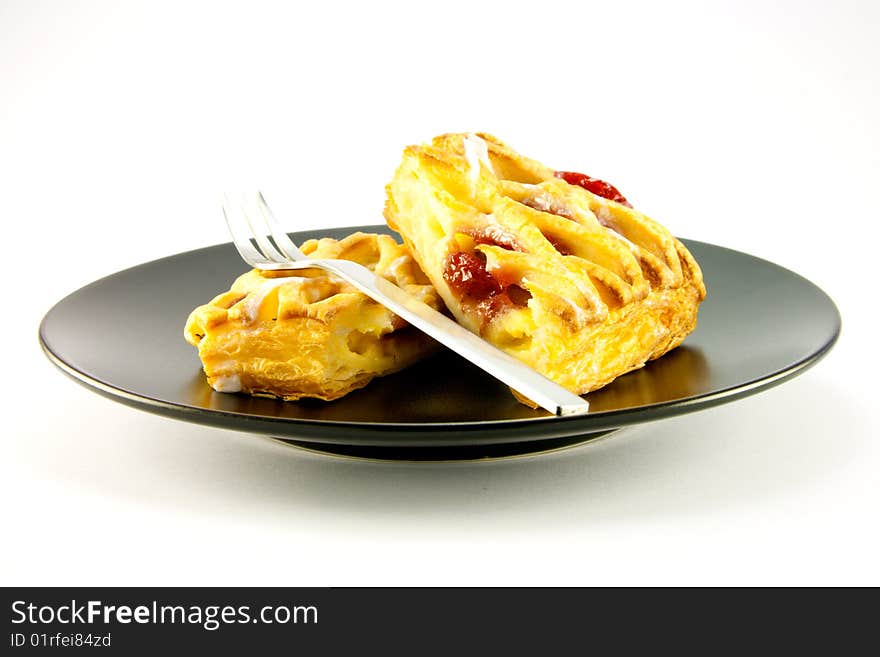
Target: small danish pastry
306,333
555,268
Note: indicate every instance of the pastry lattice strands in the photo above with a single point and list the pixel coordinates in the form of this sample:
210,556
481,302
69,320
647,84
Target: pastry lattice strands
554,267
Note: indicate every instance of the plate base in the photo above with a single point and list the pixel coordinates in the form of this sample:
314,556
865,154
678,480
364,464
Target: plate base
446,453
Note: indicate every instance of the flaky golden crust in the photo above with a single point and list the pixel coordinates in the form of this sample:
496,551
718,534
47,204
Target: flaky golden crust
580,287
310,334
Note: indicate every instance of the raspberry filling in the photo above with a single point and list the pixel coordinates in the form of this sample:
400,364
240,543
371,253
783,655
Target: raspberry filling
467,277
594,185
479,290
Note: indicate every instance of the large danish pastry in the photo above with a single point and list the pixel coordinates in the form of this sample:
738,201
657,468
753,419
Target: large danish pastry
306,333
553,267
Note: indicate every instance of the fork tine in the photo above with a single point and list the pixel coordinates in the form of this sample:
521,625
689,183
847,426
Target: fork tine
253,214
285,244
235,221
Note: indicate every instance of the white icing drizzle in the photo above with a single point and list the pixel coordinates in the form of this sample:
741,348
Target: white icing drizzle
229,383
476,153
251,305
538,202
602,218
551,205
396,264
632,246
496,232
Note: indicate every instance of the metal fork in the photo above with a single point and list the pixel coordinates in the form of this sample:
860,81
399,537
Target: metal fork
251,224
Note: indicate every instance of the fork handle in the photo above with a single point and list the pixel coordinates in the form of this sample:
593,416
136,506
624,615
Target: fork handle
516,374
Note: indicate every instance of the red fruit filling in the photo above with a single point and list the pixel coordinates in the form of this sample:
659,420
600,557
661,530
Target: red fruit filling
594,185
479,290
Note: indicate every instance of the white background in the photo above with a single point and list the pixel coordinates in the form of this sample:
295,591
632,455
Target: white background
747,124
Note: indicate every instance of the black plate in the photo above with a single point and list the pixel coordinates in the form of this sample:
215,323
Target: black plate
122,336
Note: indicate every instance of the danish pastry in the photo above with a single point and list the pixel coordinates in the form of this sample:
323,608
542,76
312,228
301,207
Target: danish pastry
553,267
305,333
